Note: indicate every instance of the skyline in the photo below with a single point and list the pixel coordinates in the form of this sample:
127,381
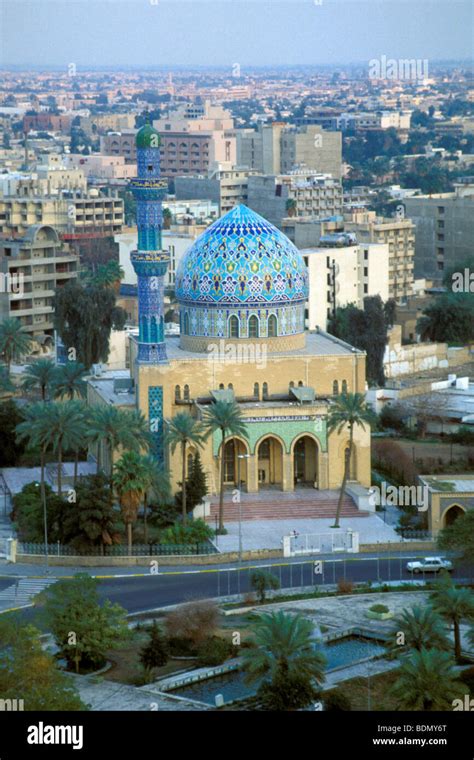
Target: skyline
297,33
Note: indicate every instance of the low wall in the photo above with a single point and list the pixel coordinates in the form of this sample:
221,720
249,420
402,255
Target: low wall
400,546
200,559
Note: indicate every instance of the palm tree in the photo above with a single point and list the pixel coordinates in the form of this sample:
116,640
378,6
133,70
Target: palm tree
6,385
67,430
41,375
157,484
454,605
130,480
347,410
427,681
291,206
14,342
226,417
422,629
36,429
284,654
109,275
184,430
69,380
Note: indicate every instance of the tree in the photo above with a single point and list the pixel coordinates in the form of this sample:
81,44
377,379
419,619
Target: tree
11,449
459,537
348,410
14,342
167,218
89,523
226,417
113,428
130,480
157,486
196,488
66,424
29,672
365,329
183,431
449,318
285,656
84,630
454,605
36,429
85,317
39,375
195,621
155,652
421,627
109,275
28,513
69,381
6,385
262,581
427,680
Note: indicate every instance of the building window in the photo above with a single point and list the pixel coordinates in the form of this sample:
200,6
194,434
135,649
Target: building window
186,393
234,327
344,386
256,390
177,393
272,326
300,383
186,324
253,327
230,387
292,385
335,388
221,386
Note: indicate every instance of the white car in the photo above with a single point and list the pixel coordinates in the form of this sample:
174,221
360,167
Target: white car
429,565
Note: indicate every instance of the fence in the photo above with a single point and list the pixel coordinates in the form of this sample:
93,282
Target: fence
119,550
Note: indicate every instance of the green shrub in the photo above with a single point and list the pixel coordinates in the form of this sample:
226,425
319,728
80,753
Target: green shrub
467,677
195,532
379,608
181,647
214,651
261,581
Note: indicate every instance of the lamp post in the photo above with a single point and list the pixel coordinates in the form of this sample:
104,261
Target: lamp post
45,521
239,457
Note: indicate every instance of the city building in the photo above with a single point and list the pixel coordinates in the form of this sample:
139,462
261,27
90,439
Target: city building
399,235
242,290
98,167
342,272
280,148
444,230
120,143
228,187
301,194
32,267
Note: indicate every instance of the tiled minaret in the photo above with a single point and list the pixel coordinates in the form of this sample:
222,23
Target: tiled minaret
150,262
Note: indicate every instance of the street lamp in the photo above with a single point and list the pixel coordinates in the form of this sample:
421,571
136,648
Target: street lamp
239,457
45,521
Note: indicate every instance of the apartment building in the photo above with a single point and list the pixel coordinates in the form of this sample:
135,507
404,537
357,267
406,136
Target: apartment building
444,230
280,148
399,235
32,267
96,166
299,194
120,143
70,213
226,187
341,273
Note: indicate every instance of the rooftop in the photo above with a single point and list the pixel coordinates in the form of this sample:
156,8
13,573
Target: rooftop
450,483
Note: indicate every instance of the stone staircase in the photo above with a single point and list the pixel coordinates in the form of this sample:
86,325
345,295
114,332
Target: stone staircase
279,505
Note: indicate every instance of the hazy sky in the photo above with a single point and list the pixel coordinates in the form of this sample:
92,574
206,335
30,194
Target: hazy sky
223,32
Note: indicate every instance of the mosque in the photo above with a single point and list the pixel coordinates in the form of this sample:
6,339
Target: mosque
242,289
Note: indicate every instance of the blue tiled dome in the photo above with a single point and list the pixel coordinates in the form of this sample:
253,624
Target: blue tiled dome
242,260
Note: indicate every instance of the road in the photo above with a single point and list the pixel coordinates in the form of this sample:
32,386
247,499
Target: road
177,585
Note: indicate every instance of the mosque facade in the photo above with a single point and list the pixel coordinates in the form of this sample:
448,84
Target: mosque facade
242,289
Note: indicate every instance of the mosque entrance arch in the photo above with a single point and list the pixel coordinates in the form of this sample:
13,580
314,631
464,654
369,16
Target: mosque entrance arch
305,462
270,462
235,453
451,515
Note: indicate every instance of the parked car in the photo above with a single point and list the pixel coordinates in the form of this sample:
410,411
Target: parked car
429,565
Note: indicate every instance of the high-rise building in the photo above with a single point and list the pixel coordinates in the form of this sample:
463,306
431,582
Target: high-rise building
399,235
226,187
302,194
32,267
444,230
342,272
280,148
